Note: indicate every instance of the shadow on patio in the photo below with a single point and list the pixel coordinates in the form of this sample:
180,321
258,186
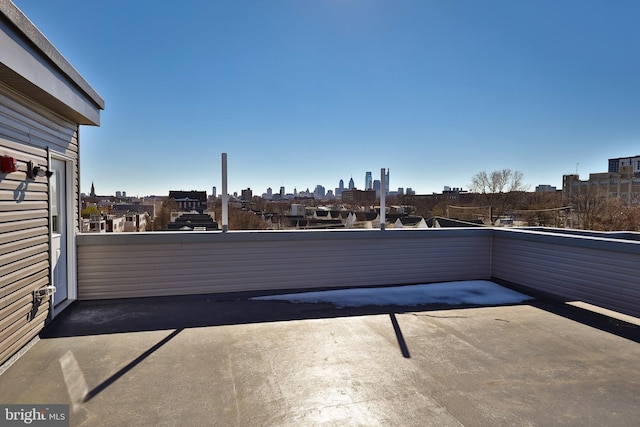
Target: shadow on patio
228,360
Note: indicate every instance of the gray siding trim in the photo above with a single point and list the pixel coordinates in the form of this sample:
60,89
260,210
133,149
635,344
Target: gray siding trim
110,265
625,242
89,239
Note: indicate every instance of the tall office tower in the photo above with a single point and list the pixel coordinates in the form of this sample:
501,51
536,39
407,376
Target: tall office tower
368,182
282,192
214,192
340,189
351,184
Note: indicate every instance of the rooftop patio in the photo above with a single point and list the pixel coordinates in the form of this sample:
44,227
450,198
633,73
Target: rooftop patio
166,332
228,360
196,350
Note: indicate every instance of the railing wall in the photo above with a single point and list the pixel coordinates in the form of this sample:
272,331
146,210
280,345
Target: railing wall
121,265
598,268
591,267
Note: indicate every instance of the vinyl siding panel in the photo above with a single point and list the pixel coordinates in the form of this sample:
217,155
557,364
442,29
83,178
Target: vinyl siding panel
16,240
41,127
602,272
109,266
27,331
26,131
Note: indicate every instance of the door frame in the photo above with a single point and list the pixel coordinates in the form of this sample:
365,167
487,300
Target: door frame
70,239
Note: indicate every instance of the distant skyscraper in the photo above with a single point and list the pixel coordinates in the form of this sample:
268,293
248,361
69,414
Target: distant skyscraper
352,185
376,186
319,192
368,182
282,192
214,192
340,189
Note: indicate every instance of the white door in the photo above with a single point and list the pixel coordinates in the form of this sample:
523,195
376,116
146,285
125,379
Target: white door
59,239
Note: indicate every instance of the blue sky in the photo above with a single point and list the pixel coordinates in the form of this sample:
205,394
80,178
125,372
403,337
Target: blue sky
300,93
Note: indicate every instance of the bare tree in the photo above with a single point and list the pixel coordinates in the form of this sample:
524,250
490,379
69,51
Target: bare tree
618,215
163,217
588,207
500,189
500,181
242,220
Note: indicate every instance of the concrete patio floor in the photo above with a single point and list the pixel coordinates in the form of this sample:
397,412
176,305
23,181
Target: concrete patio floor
224,360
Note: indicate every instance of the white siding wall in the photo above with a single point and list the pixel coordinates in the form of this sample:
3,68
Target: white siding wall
26,130
601,271
199,263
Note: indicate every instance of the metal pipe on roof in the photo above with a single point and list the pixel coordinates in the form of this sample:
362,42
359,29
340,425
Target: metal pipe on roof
383,186
225,195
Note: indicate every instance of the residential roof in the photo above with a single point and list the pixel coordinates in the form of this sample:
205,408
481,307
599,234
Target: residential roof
410,220
189,221
366,216
438,221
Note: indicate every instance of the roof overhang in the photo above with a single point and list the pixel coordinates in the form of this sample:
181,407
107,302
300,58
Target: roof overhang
31,65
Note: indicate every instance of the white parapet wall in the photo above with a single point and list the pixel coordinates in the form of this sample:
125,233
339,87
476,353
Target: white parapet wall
174,263
597,268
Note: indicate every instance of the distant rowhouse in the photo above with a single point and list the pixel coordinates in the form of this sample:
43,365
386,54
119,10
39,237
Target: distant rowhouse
359,196
190,200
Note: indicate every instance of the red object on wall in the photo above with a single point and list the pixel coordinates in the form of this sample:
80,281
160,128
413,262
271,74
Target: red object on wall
8,164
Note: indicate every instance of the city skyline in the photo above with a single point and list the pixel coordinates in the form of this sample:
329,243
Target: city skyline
123,192
301,93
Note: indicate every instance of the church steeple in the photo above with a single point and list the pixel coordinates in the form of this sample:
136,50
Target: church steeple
93,190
